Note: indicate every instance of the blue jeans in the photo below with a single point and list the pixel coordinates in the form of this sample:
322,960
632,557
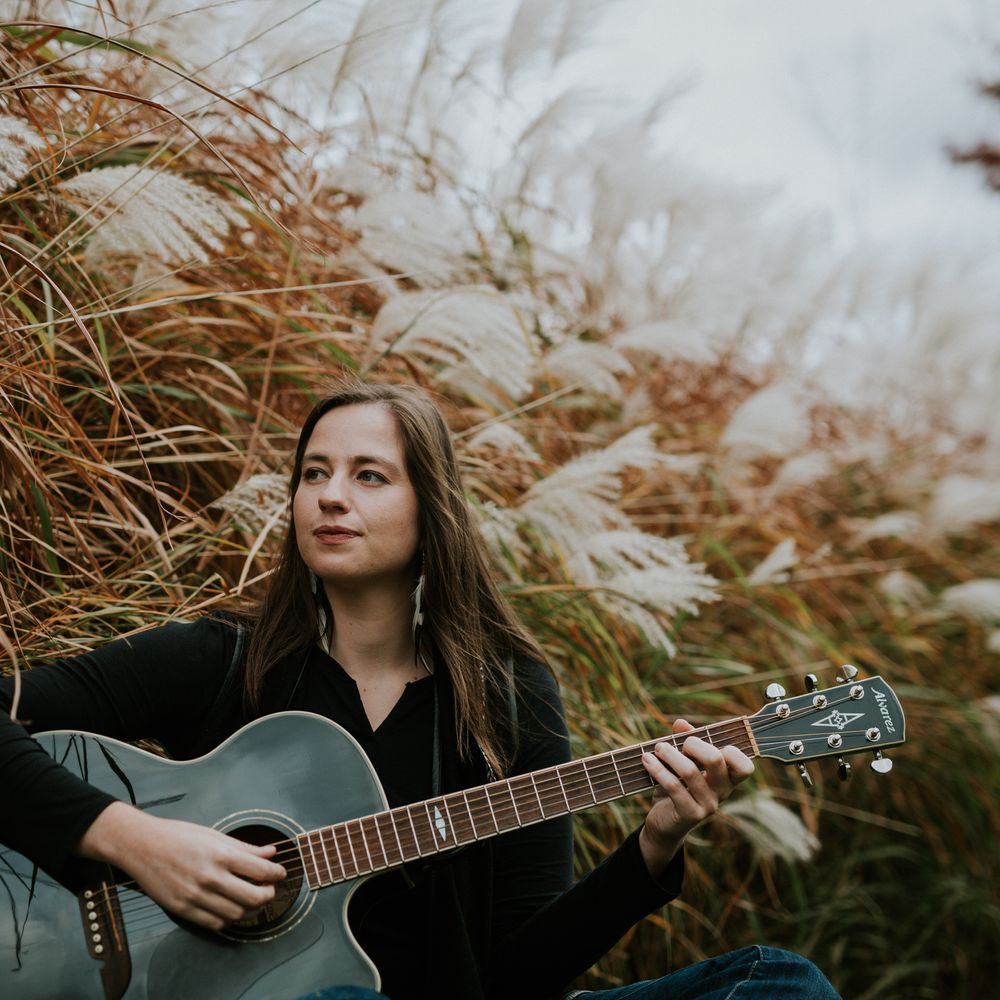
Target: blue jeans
753,973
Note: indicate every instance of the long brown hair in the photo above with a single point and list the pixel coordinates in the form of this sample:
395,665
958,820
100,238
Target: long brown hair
469,630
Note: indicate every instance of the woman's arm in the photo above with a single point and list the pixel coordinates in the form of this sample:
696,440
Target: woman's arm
547,932
160,684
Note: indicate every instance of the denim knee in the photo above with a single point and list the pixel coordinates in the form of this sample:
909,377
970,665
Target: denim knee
794,969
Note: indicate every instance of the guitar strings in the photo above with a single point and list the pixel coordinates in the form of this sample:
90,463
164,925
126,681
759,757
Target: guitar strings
564,781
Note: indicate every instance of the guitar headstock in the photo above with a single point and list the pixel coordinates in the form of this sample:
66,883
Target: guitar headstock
854,716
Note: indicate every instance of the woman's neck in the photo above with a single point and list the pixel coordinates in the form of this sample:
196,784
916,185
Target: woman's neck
372,630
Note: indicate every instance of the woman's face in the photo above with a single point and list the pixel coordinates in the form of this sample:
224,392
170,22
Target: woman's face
355,511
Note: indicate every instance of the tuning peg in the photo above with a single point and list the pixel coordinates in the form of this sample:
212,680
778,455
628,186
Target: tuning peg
775,691
804,774
843,769
881,764
847,674
812,683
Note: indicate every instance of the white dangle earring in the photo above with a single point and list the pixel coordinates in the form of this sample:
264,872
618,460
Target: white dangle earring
322,619
418,598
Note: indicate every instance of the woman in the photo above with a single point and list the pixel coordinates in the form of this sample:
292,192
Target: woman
382,616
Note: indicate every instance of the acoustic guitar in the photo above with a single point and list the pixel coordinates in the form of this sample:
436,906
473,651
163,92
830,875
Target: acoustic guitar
300,781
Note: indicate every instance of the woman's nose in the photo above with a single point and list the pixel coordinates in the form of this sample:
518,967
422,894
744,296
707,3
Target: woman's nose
334,494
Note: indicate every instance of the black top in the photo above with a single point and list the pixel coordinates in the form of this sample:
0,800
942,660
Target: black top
498,918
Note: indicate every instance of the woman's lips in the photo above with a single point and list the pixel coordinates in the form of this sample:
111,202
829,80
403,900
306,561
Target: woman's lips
334,536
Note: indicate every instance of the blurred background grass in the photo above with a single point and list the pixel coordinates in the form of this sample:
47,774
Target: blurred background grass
161,343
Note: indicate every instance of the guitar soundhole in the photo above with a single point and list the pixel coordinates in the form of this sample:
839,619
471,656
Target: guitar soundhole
286,891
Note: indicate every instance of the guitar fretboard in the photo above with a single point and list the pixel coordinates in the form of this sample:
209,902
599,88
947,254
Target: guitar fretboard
389,839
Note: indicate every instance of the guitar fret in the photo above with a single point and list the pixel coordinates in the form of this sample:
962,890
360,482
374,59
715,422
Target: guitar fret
381,842
364,844
472,819
350,844
322,854
437,824
489,802
328,833
562,788
513,802
534,787
416,839
456,828
618,775
312,877
395,831
590,784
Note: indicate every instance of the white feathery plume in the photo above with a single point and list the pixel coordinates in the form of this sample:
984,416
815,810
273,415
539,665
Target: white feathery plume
499,528
577,501
505,438
412,233
993,645
470,327
257,501
594,365
894,524
961,501
150,214
641,579
904,588
800,470
668,340
17,139
772,422
547,28
772,828
637,406
975,598
775,566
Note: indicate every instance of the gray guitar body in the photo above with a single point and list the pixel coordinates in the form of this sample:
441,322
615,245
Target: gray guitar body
275,778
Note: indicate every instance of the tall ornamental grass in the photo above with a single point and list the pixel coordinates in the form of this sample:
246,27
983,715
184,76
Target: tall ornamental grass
707,453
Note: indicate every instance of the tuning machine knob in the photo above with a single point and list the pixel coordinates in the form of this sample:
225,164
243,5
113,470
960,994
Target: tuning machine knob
811,682
843,769
882,765
804,775
847,674
775,692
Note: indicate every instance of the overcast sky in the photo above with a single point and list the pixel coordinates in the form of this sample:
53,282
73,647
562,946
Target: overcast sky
847,106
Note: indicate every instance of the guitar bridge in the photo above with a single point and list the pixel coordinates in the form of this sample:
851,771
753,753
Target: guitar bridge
104,930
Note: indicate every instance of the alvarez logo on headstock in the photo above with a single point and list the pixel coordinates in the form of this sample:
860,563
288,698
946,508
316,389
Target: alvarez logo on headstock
857,715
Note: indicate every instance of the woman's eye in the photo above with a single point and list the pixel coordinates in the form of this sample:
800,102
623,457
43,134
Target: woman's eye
312,475
371,476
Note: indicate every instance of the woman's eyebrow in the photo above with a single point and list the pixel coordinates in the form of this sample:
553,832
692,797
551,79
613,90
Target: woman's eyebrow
375,460
355,460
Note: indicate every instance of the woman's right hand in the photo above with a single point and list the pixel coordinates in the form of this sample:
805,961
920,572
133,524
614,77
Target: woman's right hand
195,872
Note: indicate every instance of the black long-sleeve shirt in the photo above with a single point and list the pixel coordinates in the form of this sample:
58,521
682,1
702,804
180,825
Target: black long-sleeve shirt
498,918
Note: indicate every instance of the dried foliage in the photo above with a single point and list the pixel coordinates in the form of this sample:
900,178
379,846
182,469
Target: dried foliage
205,218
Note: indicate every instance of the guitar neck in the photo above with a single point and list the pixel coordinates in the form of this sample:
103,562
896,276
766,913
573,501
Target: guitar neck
389,839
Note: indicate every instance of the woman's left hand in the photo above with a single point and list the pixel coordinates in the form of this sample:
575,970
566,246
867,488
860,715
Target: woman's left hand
690,785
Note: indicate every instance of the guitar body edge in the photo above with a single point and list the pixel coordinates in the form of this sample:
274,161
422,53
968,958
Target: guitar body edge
286,773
